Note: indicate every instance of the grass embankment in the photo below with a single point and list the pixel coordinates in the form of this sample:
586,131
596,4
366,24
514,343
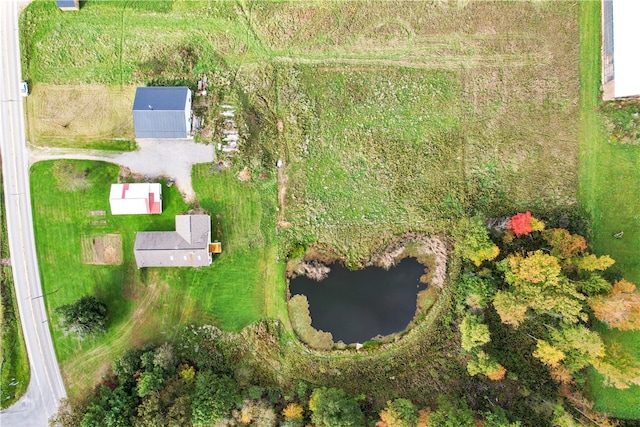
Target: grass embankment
609,185
14,363
146,304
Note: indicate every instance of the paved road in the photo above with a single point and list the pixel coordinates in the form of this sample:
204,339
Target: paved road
154,158
46,387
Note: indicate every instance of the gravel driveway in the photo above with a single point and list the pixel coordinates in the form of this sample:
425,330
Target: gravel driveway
169,158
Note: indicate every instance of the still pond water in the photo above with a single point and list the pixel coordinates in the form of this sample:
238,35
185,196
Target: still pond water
356,306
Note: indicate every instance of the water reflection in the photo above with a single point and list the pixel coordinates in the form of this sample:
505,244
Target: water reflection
356,306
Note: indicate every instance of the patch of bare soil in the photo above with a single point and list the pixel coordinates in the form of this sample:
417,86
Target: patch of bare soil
283,179
244,175
431,251
422,247
312,269
102,250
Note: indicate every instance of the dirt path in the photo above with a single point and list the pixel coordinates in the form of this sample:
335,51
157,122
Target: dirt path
426,61
283,179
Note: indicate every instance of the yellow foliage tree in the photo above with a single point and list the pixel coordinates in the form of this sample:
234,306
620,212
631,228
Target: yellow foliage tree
621,308
293,411
592,262
548,354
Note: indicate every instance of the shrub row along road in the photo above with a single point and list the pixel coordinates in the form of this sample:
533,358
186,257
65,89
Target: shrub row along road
46,387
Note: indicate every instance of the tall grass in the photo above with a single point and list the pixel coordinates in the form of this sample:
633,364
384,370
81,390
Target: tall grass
609,183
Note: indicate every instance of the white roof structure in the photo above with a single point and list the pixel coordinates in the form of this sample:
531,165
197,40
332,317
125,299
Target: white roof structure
132,199
621,56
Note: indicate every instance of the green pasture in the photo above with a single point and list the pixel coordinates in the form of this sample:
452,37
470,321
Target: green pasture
609,185
147,304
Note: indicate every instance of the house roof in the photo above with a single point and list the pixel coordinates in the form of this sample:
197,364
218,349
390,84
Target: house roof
187,246
626,60
67,4
161,98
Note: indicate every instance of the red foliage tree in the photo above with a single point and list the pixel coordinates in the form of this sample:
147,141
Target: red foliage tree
520,224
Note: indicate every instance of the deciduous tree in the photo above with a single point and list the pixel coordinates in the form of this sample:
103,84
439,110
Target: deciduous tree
473,332
398,413
213,397
451,413
564,244
473,242
621,308
548,354
293,410
331,407
522,224
580,345
538,284
619,368
593,284
484,364
86,316
592,262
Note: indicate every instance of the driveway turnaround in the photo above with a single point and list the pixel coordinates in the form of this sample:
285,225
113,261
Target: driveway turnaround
170,158
46,387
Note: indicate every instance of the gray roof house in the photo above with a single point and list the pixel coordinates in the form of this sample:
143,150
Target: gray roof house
188,246
162,112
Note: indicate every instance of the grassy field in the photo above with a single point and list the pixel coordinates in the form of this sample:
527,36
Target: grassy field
86,116
389,119
14,363
377,143
609,183
146,304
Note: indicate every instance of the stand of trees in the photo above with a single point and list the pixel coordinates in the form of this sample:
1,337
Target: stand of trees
544,283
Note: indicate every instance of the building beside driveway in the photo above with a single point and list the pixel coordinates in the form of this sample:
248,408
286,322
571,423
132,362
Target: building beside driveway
189,246
136,199
620,55
68,4
162,112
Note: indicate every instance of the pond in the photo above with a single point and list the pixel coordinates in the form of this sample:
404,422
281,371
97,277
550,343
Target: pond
356,306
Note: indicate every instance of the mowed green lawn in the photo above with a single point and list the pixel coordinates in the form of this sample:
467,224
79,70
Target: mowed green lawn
609,189
148,304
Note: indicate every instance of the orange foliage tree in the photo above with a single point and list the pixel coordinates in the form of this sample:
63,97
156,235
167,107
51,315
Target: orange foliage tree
522,224
621,308
564,244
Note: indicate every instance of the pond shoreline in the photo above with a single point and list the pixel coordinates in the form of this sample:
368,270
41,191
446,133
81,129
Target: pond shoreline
429,252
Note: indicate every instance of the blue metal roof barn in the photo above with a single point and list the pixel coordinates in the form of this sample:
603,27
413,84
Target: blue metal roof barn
162,112
68,4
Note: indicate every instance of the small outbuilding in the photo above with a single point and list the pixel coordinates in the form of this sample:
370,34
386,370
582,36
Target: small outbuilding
136,199
162,112
189,246
620,57
68,4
